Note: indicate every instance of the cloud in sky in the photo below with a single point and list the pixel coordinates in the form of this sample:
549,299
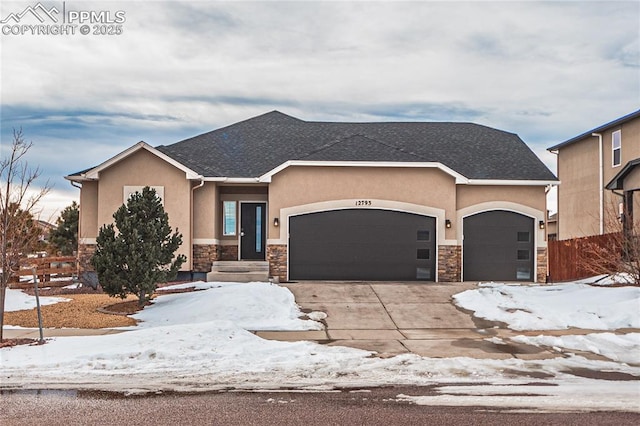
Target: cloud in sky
544,70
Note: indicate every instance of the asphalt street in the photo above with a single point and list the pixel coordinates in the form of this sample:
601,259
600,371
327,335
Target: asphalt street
346,407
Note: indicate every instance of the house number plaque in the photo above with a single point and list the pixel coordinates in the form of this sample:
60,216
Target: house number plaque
363,202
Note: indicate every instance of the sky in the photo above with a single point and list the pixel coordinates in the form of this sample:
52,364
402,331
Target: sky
547,71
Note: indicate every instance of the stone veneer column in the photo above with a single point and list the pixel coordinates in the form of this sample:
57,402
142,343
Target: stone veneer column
449,263
277,257
85,253
541,273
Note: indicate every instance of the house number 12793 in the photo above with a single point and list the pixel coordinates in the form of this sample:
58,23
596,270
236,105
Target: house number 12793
363,203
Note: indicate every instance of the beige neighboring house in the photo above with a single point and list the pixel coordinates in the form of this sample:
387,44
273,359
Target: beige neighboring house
598,170
340,201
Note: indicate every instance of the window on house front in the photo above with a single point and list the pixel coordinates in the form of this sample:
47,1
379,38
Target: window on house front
228,218
616,147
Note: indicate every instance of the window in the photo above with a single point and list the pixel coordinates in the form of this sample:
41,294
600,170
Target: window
616,147
258,229
228,218
523,237
523,255
423,254
424,236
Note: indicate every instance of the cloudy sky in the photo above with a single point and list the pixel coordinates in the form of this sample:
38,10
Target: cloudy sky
547,71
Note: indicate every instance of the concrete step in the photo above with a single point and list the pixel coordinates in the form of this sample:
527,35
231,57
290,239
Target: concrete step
239,271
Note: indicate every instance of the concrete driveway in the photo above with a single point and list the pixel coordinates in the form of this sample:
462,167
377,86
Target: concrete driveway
396,318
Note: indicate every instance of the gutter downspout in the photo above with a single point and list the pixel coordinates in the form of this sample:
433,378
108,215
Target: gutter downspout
79,186
191,214
601,182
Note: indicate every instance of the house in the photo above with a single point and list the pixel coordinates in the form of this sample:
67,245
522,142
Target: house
594,167
340,201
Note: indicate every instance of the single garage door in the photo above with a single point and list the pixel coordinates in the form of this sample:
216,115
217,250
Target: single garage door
498,246
362,244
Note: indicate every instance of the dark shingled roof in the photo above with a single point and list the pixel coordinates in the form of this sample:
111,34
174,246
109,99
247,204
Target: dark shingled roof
255,146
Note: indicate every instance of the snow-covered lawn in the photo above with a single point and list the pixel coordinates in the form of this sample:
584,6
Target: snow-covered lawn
554,307
251,306
561,307
16,300
198,341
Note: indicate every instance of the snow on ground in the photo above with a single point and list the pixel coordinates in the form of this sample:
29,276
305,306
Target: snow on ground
554,307
617,347
16,300
184,344
251,306
557,307
589,395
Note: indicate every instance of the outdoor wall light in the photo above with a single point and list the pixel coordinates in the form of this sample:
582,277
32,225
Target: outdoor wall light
541,224
447,223
276,222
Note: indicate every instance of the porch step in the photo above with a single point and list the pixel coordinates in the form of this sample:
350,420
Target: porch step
243,271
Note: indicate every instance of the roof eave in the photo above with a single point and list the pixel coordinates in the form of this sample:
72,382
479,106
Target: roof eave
94,173
599,129
459,178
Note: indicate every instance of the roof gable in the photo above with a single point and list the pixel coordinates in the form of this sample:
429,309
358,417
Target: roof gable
618,180
94,173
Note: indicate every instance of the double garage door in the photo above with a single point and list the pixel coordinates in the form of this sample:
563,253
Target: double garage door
362,244
370,244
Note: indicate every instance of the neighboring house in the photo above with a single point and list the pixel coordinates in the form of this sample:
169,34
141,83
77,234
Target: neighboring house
552,227
594,167
340,201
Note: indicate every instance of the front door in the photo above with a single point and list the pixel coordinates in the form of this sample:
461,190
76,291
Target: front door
253,231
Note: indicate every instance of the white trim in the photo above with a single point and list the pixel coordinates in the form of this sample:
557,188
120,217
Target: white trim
460,179
206,241
94,173
536,215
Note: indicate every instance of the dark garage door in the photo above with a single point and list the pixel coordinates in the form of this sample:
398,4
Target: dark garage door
362,244
498,246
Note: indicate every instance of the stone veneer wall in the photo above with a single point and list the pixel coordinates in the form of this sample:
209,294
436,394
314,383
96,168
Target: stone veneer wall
85,253
277,257
204,255
449,263
541,273
228,253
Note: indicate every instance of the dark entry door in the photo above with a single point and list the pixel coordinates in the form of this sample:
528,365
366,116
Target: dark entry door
498,246
362,244
253,231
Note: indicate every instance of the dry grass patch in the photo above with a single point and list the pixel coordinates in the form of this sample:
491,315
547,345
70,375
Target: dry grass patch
80,312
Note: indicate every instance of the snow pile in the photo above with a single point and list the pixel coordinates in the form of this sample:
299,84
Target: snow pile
554,307
617,347
251,306
16,300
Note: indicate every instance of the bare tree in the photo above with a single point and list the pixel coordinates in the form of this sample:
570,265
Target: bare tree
17,207
616,252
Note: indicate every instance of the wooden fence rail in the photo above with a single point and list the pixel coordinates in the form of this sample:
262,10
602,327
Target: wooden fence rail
62,268
570,259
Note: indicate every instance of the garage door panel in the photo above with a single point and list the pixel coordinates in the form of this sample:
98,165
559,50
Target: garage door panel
361,244
498,246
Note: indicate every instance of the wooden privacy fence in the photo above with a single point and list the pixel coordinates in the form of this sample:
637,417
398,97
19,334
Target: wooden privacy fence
576,258
52,271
